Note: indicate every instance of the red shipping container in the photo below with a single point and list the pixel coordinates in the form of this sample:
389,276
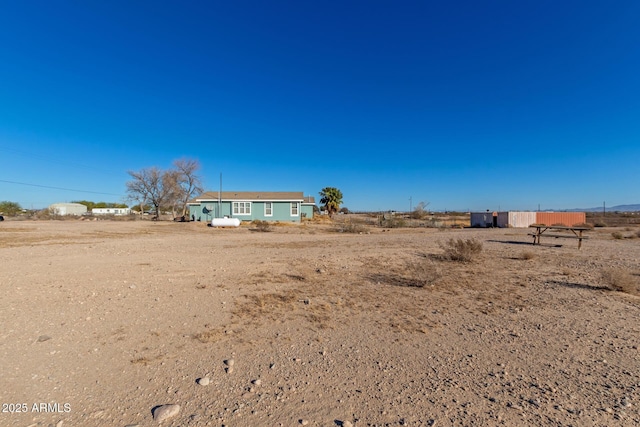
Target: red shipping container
564,218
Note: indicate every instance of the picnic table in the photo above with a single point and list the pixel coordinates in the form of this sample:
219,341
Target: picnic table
559,231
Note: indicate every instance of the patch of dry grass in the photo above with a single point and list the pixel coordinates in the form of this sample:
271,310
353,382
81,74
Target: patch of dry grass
209,336
586,225
320,314
422,273
270,306
350,227
527,255
263,226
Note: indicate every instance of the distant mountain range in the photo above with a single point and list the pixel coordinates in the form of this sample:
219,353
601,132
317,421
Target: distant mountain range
619,208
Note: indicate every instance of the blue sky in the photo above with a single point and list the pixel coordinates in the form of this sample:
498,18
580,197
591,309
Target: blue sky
463,104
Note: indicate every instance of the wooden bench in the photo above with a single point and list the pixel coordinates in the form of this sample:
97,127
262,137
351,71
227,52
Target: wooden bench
559,231
564,236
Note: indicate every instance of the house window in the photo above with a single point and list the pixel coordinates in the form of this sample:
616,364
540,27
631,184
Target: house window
242,208
294,209
268,209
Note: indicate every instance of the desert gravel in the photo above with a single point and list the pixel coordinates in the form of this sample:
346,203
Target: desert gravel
105,321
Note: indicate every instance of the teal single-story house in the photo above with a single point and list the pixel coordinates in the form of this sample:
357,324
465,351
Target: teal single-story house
251,205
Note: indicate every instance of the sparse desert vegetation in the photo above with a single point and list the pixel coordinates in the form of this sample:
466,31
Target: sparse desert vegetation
458,249
263,226
527,255
377,326
621,280
351,226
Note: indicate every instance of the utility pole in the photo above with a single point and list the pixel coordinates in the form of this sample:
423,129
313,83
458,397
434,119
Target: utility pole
410,210
219,215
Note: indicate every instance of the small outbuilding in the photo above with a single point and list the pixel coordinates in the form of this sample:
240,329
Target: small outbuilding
516,219
484,219
68,209
526,218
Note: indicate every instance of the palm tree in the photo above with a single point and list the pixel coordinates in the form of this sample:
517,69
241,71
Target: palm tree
331,198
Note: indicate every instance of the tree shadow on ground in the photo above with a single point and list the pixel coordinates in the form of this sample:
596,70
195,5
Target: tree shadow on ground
511,242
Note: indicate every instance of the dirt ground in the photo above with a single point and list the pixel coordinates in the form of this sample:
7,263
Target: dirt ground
103,321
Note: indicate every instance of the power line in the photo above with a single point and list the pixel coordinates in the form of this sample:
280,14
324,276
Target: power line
59,188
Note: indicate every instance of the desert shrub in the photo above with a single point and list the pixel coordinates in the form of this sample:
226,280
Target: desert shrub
43,214
394,222
463,250
262,225
434,223
350,227
586,225
527,255
600,224
617,235
620,280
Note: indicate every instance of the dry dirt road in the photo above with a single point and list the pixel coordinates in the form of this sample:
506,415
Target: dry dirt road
103,321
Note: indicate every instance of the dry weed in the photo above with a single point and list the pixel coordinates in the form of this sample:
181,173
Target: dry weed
271,306
620,280
423,273
463,250
585,224
350,227
527,255
262,226
320,314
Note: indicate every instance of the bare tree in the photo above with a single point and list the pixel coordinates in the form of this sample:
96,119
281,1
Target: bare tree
189,183
420,211
154,186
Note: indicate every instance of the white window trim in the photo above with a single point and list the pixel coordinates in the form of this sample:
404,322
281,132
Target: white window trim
235,208
270,207
297,206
